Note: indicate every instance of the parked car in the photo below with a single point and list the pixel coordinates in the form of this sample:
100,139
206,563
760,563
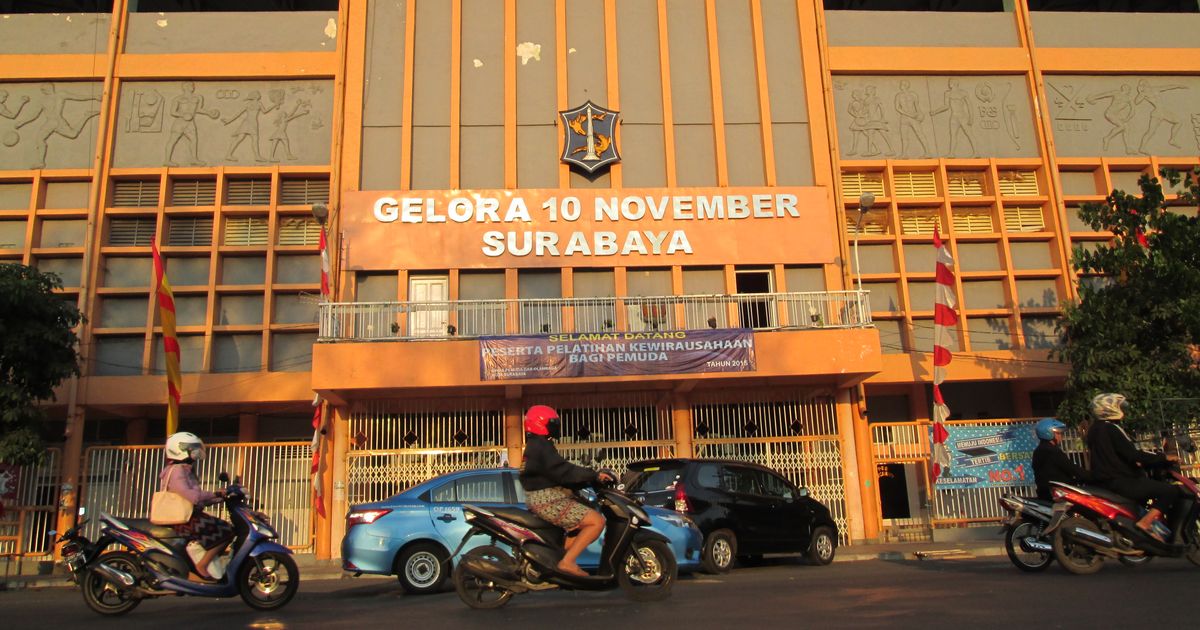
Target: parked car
412,534
744,510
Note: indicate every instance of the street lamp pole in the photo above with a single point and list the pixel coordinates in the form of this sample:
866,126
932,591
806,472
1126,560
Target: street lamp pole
865,201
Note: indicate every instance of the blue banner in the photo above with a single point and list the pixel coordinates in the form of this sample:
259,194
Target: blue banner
616,354
989,457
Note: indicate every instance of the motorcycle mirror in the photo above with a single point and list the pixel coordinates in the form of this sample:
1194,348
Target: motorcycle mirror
223,477
237,481
601,455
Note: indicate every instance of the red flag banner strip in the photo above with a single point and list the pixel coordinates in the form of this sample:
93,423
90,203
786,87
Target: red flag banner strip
945,341
324,266
318,460
166,316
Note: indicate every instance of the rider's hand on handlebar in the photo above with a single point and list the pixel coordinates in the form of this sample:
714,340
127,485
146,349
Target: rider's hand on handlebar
605,478
1172,457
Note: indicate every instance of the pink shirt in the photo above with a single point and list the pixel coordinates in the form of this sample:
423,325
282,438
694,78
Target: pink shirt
183,481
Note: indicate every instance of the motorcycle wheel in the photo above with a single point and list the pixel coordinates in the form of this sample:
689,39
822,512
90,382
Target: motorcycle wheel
478,592
650,579
1191,537
101,595
1076,557
1135,561
1029,561
273,585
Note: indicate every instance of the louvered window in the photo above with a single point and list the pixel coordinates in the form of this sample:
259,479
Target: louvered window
135,193
303,191
131,232
193,192
190,231
246,231
914,185
965,184
919,221
856,183
1019,184
248,192
873,223
1017,219
973,221
299,231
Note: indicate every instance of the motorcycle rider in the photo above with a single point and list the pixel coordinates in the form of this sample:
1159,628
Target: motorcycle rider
1050,462
550,481
183,449
1120,466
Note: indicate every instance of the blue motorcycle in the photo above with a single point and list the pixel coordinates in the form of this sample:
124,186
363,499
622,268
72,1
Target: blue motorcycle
153,561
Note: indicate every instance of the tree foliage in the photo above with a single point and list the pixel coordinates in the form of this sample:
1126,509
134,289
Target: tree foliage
37,353
1135,328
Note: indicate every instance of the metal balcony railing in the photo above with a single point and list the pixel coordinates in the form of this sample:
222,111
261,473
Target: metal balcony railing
386,321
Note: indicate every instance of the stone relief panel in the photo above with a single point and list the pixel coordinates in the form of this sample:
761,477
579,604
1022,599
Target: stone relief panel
913,117
48,125
1118,116
209,123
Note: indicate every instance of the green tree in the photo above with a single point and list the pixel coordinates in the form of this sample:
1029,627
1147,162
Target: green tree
37,353
1134,330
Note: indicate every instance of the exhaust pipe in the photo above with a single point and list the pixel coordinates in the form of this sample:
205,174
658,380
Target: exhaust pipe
116,576
1029,544
1090,537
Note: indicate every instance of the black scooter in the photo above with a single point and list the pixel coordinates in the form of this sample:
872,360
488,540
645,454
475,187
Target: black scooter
1028,547
637,560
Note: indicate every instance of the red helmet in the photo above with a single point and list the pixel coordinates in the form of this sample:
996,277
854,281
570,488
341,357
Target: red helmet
542,420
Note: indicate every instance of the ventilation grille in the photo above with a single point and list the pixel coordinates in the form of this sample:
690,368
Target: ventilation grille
965,184
131,232
873,223
135,193
857,183
919,221
248,192
193,192
190,231
1019,184
303,192
1019,219
973,222
914,185
299,231
246,231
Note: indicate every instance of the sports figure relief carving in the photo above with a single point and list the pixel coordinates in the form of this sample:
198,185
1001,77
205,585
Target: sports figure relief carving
1143,113
932,116
184,109
50,109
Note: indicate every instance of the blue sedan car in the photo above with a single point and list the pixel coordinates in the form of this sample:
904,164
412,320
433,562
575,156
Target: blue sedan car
412,534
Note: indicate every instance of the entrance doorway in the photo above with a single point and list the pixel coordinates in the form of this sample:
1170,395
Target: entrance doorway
755,312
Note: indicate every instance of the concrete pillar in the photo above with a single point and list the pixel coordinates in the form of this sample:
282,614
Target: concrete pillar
247,427
514,432
862,514
136,430
681,420
68,501
331,529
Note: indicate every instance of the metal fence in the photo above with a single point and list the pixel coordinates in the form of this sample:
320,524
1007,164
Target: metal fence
376,475
31,516
378,321
120,480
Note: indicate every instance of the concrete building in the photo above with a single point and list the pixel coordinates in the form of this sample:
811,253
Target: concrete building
432,130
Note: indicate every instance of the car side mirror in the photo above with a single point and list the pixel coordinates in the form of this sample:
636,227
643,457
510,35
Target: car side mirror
803,492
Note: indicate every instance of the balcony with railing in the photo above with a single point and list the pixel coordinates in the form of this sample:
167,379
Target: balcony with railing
457,319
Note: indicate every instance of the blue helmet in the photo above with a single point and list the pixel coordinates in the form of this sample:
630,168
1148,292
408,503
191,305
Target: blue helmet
1046,427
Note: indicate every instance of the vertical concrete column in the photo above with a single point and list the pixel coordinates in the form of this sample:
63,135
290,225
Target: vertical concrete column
68,501
135,431
247,427
681,421
862,517
1022,405
333,529
514,433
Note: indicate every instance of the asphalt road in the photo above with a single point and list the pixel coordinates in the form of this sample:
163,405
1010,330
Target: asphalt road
978,593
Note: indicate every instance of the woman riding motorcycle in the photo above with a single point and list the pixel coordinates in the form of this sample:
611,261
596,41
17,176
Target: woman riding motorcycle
1120,466
213,534
1050,462
550,481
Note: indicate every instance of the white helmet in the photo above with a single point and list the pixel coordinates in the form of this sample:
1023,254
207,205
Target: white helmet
1108,406
184,445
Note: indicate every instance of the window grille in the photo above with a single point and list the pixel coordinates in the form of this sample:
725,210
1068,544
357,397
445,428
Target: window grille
246,231
965,184
973,221
914,185
855,183
303,191
919,221
1023,219
135,193
248,192
131,232
1019,184
299,231
193,192
190,231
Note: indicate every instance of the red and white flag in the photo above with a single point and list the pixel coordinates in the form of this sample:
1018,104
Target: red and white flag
318,442
945,342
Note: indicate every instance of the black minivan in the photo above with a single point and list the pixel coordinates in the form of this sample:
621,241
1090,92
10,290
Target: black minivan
744,510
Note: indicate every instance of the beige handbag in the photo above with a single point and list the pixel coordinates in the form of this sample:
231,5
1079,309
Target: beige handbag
169,508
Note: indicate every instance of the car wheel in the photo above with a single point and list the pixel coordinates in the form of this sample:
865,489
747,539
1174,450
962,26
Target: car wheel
720,548
422,568
822,546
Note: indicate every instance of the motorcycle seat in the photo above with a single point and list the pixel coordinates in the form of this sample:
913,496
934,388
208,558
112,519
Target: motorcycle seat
523,517
1110,495
157,531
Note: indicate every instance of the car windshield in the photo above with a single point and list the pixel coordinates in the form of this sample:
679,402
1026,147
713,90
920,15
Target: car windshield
654,479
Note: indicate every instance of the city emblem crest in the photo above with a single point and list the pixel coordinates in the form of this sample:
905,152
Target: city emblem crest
589,139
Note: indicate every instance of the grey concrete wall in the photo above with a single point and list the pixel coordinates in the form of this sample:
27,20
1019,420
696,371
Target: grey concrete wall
1115,30
920,28
154,33
642,144
1116,116
48,125
933,116
383,95
61,34
223,122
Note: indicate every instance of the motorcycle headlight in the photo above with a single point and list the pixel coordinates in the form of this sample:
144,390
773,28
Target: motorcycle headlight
263,528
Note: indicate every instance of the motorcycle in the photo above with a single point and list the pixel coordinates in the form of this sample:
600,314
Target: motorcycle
1024,532
637,560
154,561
